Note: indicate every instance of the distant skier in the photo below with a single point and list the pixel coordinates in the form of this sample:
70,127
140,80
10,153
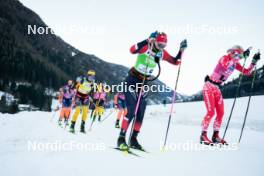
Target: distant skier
99,101
67,95
120,105
84,91
150,51
212,95
164,102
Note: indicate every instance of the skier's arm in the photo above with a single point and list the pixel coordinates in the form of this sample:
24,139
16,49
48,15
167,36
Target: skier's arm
115,100
74,97
139,47
61,95
173,60
245,71
224,61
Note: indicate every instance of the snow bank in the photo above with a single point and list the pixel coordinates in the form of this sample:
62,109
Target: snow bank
19,132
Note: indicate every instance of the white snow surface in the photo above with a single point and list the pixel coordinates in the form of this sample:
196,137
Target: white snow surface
20,131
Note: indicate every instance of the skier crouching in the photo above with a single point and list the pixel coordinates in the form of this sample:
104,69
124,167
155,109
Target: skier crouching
84,91
150,52
212,95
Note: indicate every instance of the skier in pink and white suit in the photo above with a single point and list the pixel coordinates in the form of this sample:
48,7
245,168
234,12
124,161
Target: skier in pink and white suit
212,95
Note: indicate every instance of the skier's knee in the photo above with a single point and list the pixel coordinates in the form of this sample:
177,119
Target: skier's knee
210,114
220,114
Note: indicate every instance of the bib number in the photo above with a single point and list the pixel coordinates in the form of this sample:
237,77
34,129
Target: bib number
144,69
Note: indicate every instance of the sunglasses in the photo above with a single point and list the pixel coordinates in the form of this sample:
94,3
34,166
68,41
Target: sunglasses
161,45
238,56
91,78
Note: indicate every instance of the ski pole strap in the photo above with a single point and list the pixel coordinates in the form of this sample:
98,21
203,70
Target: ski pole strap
156,77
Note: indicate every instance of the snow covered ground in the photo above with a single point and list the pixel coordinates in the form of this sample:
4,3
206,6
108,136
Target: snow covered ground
59,152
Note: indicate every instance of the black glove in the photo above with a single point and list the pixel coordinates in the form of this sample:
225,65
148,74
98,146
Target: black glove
140,45
246,53
183,44
255,59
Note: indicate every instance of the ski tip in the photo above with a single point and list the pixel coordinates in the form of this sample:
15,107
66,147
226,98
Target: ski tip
125,152
163,149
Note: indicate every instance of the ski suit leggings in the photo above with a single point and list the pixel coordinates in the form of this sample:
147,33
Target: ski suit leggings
214,103
121,113
131,101
81,105
66,108
65,113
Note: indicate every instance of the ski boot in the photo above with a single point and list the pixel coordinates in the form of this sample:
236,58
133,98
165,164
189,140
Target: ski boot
217,140
83,127
117,124
94,117
99,119
204,139
134,142
66,122
72,127
121,143
60,123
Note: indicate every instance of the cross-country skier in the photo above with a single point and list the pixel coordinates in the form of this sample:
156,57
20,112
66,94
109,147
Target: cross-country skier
212,95
99,100
67,95
149,52
83,95
120,105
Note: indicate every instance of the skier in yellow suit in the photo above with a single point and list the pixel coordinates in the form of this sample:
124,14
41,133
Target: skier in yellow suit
84,92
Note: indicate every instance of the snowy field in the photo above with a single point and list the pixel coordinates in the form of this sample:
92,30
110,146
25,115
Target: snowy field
32,144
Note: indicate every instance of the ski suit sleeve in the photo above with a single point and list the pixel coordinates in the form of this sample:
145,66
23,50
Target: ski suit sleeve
115,99
245,71
173,60
139,47
224,61
61,92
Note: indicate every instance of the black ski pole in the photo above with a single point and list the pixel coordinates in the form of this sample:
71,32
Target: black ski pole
237,91
248,104
172,103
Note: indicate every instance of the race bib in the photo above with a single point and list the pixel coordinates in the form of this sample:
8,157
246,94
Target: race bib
85,88
145,69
